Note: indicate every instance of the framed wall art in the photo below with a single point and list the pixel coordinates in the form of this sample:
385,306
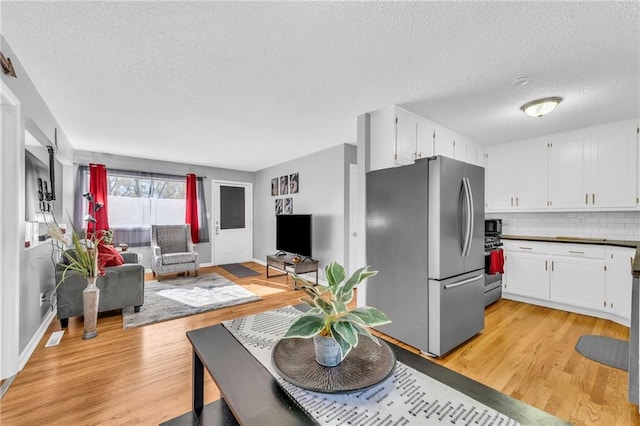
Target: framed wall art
284,185
294,183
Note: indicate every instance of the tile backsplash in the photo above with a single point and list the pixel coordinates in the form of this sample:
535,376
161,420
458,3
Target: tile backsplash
609,225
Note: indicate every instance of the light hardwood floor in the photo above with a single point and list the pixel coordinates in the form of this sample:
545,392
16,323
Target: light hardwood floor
143,375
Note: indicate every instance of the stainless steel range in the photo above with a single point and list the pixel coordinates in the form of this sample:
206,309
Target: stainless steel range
493,261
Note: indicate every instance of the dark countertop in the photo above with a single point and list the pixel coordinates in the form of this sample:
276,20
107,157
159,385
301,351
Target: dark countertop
592,241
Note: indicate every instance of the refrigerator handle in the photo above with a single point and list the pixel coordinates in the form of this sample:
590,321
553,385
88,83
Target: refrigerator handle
468,236
465,282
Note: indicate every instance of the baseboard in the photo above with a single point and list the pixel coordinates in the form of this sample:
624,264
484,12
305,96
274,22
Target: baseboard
35,340
261,262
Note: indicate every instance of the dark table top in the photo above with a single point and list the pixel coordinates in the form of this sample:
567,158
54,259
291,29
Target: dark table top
254,396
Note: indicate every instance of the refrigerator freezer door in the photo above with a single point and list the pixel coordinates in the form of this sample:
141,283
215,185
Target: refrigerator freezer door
456,311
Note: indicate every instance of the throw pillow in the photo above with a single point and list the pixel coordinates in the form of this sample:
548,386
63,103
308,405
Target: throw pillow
109,256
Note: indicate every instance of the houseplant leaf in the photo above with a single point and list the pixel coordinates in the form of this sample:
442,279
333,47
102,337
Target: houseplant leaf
306,326
335,274
346,330
370,316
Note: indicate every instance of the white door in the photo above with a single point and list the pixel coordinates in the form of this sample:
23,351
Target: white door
232,222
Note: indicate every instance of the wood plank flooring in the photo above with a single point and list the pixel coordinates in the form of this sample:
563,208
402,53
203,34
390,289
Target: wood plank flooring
143,375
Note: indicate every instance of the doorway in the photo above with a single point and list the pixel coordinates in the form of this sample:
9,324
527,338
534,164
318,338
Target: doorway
232,222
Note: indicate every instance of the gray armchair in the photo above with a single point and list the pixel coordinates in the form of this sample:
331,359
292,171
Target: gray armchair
122,286
172,250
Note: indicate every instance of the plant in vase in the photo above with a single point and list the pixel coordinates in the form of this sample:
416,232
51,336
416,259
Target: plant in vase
81,256
334,327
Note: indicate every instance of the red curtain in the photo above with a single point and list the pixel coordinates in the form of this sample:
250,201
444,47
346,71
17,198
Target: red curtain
191,217
98,189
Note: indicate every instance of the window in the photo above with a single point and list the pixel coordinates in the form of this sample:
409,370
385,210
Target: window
137,200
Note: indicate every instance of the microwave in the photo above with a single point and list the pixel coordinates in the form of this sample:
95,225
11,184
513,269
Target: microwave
493,226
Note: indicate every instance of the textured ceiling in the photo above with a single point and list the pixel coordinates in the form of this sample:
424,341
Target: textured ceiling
247,85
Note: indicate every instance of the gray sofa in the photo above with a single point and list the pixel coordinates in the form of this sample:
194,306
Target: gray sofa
122,286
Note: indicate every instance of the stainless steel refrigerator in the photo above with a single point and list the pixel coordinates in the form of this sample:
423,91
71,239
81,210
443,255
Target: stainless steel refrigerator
425,236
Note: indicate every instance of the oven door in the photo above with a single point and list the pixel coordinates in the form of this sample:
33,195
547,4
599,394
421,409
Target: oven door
492,283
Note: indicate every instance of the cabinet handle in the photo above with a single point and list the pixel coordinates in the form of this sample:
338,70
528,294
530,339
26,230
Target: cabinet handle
545,265
525,248
552,266
516,201
593,198
511,201
586,198
576,251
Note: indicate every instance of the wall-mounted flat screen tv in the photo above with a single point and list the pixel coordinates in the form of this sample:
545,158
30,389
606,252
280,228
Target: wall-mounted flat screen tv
293,233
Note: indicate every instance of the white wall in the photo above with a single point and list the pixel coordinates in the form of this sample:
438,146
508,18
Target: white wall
609,225
323,193
28,279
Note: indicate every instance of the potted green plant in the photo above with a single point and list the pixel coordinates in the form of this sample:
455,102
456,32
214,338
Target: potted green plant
334,327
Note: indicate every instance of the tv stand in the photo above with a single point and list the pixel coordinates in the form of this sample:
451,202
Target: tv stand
286,264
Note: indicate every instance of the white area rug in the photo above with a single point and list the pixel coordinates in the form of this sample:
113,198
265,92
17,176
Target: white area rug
183,296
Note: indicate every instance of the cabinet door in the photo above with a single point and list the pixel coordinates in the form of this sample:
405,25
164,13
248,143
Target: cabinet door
569,177
527,275
613,165
406,136
577,282
618,281
500,175
531,174
444,143
424,144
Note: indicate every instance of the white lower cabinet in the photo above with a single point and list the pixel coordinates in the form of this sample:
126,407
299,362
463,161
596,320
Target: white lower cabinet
577,282
587,279
526,274
617,285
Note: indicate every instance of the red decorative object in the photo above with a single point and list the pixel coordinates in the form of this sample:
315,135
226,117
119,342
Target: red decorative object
191,217
109,256
98,189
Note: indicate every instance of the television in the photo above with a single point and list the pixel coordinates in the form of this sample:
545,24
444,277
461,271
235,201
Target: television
293,234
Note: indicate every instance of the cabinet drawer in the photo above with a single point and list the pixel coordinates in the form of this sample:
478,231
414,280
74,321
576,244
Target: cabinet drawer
578,250
525,246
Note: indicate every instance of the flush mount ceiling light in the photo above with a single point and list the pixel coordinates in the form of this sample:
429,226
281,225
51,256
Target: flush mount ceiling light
540,107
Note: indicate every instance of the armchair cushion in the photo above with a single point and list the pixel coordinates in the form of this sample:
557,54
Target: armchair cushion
173,258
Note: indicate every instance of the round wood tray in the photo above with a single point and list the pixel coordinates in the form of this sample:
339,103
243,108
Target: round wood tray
366,365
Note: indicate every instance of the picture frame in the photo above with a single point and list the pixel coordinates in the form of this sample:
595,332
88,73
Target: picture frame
294,183
278,206
288,206
274,186
284,185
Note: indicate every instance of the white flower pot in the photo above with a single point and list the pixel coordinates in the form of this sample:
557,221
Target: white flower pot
328,351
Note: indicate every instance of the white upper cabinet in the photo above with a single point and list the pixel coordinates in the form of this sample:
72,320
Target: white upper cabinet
569,174
614,166
399,137
595,168
517,176
500,182
406,137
